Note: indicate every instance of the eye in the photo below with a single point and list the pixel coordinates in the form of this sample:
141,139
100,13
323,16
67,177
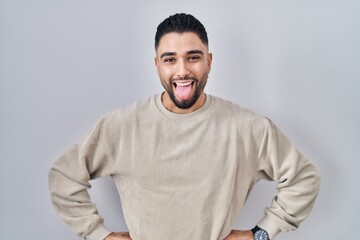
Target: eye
194,58
169,60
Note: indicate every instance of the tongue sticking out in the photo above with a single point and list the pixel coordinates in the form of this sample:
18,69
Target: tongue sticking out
183,92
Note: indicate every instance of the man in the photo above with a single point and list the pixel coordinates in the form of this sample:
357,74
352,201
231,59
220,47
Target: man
183,161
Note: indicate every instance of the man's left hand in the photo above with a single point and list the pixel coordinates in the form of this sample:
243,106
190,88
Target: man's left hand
240,235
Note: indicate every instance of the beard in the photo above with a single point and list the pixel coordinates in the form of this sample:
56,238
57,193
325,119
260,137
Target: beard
198,84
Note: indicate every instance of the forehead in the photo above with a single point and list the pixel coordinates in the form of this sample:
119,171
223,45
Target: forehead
180,43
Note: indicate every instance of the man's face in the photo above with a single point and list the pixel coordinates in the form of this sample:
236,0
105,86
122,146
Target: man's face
183,64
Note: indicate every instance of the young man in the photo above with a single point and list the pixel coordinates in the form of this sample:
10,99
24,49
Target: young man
183,161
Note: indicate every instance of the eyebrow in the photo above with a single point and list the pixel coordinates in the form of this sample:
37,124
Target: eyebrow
195,52
166,54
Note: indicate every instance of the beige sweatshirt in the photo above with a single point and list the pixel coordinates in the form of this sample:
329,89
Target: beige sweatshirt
183,176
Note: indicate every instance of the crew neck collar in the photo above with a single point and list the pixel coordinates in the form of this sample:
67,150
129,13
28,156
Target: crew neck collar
201,111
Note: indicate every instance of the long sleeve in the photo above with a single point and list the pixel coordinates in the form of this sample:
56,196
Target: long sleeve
298,181
91,157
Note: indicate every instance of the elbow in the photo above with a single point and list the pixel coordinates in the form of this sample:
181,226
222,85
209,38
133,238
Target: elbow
317,180
314,181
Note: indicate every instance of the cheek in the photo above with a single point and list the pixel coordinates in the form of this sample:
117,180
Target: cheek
164,74
201,70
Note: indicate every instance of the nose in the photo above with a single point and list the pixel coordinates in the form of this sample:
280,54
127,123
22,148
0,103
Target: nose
182,69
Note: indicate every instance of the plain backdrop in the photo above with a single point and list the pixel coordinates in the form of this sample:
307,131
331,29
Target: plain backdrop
63,63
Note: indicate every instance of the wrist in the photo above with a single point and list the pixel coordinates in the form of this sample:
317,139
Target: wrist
260,234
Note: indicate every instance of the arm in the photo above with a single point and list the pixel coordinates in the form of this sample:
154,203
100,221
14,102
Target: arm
298,181
89,158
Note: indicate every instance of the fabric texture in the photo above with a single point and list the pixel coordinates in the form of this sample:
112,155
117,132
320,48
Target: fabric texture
183,176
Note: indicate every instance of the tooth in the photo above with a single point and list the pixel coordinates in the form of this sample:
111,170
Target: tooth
183,83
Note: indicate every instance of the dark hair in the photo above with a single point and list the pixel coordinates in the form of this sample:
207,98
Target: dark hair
181,23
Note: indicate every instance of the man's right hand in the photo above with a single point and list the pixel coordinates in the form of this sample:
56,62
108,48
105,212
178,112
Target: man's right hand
118,236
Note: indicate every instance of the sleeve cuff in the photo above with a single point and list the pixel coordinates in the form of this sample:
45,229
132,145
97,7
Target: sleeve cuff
100,232
270,224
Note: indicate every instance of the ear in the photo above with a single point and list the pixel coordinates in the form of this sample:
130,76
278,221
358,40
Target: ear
209,59
156,61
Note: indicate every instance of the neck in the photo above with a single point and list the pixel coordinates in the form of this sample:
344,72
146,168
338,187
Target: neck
169,104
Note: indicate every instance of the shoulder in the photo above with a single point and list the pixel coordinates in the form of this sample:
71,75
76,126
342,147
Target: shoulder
129,115
243,118
246,121
131,111
229,110
125,119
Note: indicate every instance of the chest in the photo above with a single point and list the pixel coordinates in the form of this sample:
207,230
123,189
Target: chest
180,154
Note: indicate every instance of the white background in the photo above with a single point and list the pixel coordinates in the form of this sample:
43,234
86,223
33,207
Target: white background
64,63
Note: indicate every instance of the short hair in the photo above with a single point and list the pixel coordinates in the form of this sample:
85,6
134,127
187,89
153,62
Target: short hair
181,23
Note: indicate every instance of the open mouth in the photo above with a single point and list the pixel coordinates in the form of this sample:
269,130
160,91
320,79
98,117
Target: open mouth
183,89
183,83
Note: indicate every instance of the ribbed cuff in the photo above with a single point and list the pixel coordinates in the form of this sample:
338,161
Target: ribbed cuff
271,225
100,232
